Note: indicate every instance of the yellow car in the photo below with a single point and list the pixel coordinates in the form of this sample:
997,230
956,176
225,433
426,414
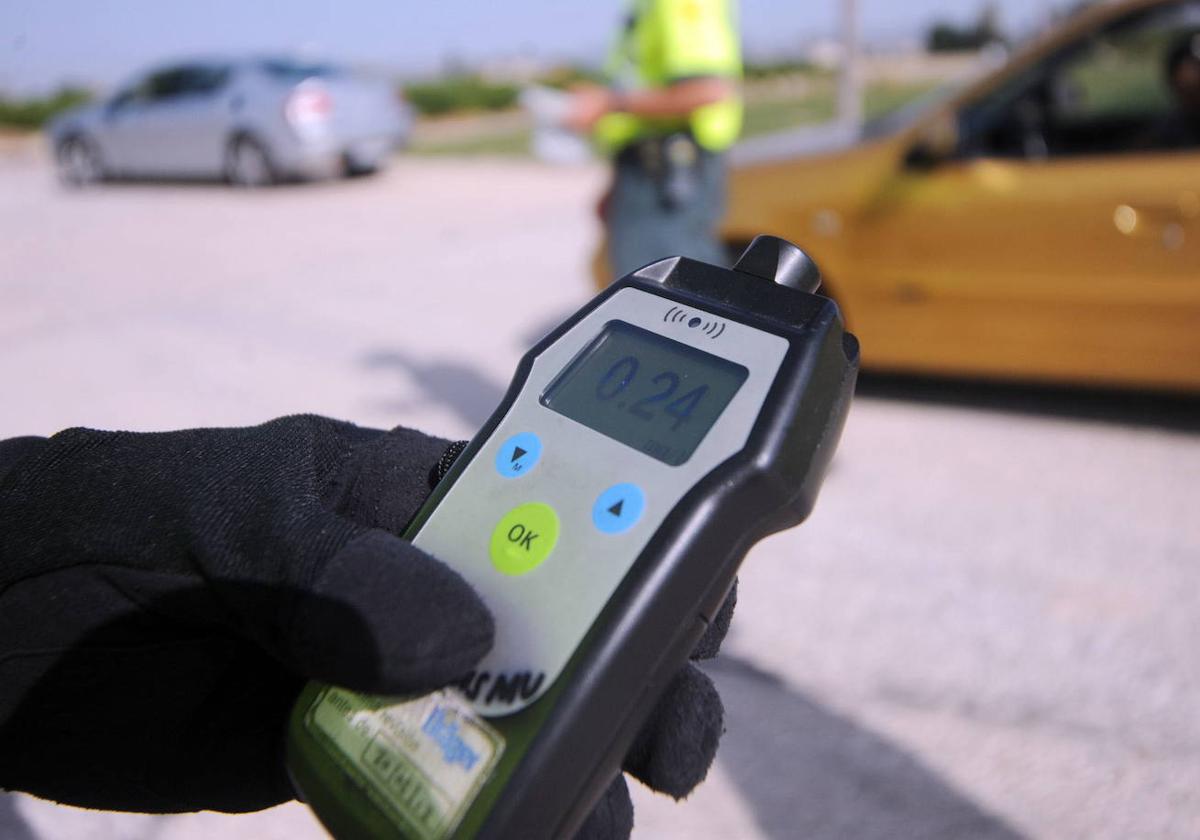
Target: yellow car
1041,223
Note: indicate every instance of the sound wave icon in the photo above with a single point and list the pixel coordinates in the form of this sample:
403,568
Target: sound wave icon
676,315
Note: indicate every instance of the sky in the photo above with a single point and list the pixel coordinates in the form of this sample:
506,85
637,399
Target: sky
45,43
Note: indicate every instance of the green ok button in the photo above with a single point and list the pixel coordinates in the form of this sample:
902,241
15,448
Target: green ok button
524,538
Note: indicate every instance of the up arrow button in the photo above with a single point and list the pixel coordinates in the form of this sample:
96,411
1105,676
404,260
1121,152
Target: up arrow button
618,508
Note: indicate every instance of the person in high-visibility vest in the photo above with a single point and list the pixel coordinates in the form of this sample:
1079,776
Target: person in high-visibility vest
671,109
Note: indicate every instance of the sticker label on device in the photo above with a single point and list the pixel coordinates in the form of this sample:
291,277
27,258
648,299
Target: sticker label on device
422,760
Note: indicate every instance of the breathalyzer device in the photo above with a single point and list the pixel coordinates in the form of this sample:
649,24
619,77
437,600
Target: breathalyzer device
601,513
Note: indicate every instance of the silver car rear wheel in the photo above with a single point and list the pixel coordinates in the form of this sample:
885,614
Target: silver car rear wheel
247,164
78,162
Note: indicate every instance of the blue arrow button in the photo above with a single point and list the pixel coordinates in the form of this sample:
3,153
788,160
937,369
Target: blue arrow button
519,454
618,508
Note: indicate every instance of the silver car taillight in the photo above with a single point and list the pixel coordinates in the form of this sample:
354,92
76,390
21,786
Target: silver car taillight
309,105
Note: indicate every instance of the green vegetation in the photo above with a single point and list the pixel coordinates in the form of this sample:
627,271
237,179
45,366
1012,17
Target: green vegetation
466,92
885,97
565,77
770,69
763,116
460,93
1120,77
507,143
31,114
767,116
949,37
1131,90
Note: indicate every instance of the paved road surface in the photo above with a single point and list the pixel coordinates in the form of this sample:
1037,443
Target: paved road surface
988,628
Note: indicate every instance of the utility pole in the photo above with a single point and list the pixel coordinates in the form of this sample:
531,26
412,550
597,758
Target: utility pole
850,100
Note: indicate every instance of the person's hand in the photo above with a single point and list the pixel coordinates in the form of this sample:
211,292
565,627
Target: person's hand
589,102
677,744
164,596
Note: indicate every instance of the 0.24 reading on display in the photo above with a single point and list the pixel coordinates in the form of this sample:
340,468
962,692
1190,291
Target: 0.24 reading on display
652,393
623,372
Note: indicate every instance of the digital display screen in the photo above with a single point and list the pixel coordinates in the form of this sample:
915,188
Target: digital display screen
648,392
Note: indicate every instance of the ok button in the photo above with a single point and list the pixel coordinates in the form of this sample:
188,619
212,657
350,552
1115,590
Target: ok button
524,538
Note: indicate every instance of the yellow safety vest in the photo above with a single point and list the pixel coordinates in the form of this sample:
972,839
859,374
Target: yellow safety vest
666,41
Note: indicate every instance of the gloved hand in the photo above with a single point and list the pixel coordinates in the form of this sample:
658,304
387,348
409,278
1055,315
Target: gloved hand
676,746
163,597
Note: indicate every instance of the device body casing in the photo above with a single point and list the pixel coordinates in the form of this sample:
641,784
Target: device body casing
564,749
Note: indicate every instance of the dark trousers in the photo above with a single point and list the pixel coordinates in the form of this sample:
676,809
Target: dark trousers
644,225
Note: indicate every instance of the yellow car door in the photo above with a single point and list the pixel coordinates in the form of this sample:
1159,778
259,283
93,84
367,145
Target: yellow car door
1062,238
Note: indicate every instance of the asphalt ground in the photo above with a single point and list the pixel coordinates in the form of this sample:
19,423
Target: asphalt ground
988,628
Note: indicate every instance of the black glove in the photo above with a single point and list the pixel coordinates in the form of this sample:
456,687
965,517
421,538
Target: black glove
164,596
676,746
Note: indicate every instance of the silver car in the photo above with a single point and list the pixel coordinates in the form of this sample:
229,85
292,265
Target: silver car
250,121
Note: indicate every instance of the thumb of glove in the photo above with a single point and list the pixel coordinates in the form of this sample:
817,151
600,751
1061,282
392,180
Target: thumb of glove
382,616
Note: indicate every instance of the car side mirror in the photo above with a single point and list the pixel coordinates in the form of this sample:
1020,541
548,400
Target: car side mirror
935,142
